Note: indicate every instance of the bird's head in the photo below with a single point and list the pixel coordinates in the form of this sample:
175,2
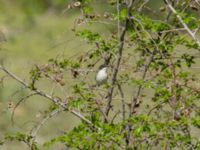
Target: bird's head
103,67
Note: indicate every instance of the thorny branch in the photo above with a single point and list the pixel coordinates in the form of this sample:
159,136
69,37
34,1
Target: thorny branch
41,93
119,56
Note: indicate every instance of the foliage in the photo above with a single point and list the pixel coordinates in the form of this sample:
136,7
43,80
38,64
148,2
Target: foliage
152,58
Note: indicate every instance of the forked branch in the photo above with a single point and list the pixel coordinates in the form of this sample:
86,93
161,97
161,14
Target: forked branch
41,93
193,36
119,56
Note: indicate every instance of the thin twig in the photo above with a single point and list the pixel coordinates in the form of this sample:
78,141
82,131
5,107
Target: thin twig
155,107
2,80
41,93
118,19
145,31
173,30
18,103
122,101
35,130
169,13
142,5
135,98
116,114
183,23
100,109
174,85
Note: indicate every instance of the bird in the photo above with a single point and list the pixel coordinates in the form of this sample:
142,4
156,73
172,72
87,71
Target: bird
102,75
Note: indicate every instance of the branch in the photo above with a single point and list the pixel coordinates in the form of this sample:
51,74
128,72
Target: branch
117,113
118,19
155,107
119,56
35,130
142,6
102,112
18,103
183,23
197,2
13,76
57,102
2,81
41,93
122,101
135,100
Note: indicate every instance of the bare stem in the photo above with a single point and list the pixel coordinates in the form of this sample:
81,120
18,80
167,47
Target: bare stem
119,56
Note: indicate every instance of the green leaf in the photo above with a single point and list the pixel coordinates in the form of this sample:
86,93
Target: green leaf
88,35
123,14
196,121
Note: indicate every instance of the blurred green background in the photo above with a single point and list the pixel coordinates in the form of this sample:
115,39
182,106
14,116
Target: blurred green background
37,30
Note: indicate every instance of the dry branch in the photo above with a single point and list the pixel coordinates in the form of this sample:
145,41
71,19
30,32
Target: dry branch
183,23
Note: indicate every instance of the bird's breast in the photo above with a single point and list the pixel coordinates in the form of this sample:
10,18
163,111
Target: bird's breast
101,75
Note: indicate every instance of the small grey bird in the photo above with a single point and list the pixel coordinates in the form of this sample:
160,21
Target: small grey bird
102,75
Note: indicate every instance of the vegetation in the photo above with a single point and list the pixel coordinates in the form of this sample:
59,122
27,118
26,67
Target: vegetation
151,99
